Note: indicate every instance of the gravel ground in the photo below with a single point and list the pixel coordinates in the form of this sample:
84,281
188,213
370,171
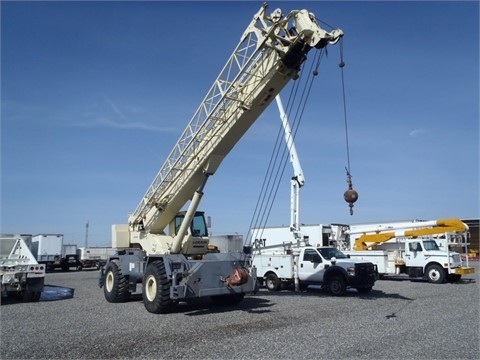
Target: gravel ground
399,319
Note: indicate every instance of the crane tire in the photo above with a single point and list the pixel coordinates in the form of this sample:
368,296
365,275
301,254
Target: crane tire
337,285
115,287
435,274
272,282
156,289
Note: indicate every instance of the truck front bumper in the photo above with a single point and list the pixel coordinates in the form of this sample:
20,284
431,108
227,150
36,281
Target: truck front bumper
464,270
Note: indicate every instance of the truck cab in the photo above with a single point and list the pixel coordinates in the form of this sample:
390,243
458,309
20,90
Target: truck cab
424,258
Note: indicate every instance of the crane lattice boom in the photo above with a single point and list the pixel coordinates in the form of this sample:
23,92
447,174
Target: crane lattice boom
267,57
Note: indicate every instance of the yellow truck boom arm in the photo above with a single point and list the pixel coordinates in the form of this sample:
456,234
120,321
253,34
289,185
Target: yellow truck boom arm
418,228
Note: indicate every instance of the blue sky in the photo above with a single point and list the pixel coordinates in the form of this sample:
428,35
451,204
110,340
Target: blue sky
95,94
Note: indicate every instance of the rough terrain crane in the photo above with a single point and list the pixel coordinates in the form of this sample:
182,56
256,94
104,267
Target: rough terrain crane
166,249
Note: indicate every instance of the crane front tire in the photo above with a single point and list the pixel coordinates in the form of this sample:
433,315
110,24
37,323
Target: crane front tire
156,289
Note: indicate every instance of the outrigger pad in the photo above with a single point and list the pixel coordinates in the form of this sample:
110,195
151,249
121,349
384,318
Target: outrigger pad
239,276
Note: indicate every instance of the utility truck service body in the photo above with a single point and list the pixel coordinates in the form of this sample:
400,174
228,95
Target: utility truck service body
167,249
409,247
314,235
20,274
307,265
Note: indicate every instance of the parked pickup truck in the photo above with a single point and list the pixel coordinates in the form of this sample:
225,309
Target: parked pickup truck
303,266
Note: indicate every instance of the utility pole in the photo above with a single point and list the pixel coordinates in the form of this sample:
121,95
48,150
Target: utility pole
86,235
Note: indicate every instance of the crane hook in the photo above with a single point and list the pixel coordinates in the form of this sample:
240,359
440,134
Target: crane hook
350,196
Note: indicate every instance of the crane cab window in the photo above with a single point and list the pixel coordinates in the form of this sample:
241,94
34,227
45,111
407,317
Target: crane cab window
198,227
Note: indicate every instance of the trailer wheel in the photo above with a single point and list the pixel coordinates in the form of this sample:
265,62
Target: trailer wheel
115,284
435,274
272,282
337,286
156,289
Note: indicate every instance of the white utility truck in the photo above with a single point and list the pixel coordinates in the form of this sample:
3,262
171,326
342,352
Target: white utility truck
410,247
302,265
166,249
94,257
50,250
21,275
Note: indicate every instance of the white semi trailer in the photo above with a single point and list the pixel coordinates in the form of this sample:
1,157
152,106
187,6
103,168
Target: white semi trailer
94,257
50,250
21,275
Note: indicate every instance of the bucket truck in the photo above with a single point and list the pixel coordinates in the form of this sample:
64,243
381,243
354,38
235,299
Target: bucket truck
166,249
411,247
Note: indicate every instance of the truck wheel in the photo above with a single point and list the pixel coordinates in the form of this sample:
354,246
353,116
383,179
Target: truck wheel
116,285
337,286
435,274
156,289
272,282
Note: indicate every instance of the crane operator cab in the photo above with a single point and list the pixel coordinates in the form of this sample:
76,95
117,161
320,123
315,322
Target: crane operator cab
196,239
198,227
193,242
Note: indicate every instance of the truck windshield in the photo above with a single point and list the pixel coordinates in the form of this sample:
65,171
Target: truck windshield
430,245
329,253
